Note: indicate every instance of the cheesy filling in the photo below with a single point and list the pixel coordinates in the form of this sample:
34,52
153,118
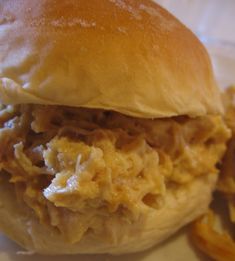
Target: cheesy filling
76,167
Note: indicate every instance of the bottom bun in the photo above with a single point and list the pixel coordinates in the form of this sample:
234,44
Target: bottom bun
181,207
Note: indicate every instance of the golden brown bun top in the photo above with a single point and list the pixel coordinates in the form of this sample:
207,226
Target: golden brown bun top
130,56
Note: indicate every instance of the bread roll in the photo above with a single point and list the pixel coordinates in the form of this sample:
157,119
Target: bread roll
128,56
20,224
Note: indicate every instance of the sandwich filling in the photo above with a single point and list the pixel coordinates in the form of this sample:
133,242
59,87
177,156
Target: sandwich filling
75,168
214,233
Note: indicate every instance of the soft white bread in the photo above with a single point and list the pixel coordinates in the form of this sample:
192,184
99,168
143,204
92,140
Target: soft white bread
191,201
129,56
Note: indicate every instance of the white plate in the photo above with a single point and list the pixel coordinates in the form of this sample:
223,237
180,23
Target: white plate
223,58
177,248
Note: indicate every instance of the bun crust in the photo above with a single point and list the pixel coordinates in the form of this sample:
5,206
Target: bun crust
129,56
154,226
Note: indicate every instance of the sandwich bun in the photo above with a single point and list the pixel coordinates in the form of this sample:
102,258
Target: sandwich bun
21,225
127,56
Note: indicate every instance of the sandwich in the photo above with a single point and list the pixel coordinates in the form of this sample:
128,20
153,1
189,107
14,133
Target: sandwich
111,125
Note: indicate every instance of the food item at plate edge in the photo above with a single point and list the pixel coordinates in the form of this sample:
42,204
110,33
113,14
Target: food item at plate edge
214,242
111,125
217,241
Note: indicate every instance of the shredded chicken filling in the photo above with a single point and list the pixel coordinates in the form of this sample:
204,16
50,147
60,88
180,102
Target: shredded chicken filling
217,241
226,182
75,167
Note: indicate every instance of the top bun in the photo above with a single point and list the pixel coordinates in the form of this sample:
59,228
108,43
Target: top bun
129,56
